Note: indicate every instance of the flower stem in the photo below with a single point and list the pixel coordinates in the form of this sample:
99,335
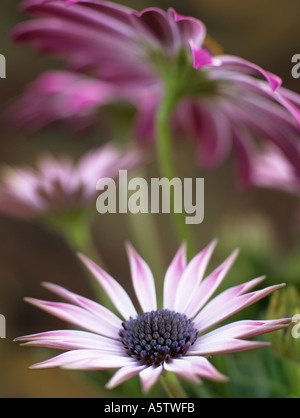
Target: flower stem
75,228
166,162
172,385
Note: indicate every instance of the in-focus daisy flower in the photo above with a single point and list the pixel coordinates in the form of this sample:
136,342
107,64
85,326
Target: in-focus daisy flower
59,184
222,102
176,337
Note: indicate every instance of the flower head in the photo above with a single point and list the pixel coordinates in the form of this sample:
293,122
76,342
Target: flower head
59,184
222,102
176,337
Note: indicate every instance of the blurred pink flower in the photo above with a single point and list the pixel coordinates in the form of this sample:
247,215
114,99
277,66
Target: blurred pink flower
223,105
176,338
59,184
272,169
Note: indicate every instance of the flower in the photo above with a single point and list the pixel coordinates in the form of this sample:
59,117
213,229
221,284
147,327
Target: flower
60,185
220,101
175,338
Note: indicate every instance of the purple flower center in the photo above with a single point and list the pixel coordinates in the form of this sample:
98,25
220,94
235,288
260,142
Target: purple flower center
157,336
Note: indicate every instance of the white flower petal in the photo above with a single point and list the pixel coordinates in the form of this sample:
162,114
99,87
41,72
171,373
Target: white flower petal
123,374
76,315
191,277
142,280
149,377
203,320
227,345
85,360
91,306
208,286
72,340
182,369
114,290
202,367
172,277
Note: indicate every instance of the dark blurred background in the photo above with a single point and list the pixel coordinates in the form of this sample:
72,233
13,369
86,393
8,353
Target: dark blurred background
263,31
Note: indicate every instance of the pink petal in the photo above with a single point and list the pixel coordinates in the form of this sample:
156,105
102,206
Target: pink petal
201,57
149,377
203,368
209,286
104,314
245,329
229,345
123,374
240,64
85,360
191,277
114,290
213,134
72,340
182,368
203,320
142,280
172,277
77,316
190,28
153,24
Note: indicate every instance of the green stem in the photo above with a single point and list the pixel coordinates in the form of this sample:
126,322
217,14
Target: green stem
166,162
172,385
75,228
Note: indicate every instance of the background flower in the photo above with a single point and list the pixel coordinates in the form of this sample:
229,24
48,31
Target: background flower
59,184
222,104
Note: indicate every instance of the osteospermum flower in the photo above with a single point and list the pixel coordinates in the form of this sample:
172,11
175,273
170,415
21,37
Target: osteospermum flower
176,337
223,102
59,184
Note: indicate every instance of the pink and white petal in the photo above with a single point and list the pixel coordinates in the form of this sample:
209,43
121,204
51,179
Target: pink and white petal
205,319
182,368
241,64
114,290
142,280
75,315
203,368
95,308
123,374
85,360
149,377
228,295
172,277
228,345
208,286
192,276
72,340
244,329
